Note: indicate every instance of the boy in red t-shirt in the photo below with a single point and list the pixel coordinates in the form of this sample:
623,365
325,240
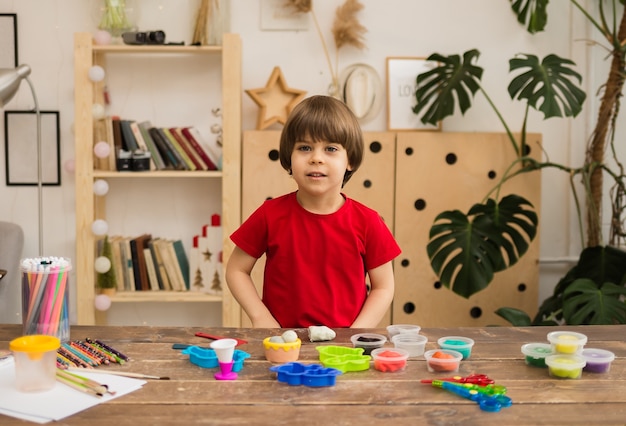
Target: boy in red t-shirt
319,244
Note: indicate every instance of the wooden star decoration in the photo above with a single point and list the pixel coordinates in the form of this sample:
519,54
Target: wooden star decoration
207,255
276,100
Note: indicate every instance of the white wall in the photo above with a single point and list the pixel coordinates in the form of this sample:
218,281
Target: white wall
395,28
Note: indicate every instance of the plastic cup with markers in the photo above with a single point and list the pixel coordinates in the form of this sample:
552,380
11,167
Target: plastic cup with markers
225,349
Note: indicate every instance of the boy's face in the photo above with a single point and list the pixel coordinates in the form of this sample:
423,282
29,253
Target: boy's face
319,167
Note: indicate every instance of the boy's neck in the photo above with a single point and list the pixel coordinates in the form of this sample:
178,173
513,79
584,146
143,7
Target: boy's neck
320,204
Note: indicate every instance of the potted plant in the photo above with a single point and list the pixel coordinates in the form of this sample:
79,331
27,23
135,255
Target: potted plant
466,249
107,281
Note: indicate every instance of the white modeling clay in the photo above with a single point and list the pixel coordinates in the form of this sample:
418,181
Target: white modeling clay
320,333
290,336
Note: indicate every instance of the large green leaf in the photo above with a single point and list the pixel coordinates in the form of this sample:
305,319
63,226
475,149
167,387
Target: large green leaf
598,264
516,317
438,88
547,86
531,13
586,303
465,250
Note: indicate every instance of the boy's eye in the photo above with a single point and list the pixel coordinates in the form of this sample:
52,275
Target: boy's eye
303,148
331,148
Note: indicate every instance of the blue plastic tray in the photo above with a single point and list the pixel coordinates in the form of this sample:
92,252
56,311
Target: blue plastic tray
206,358
313,375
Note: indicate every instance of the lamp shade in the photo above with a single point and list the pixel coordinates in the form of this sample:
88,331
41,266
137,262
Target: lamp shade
10,79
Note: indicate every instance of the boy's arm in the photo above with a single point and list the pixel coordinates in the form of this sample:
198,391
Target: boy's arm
379,298
241,286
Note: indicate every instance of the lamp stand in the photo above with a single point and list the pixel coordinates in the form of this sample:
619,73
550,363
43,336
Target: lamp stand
39,168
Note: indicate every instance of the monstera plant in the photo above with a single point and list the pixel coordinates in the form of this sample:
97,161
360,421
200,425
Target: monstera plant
466,249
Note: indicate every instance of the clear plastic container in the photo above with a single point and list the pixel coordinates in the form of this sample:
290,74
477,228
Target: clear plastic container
598,360
457,343
396,329
567,342
535,354
565,366
368,341
443,360
35,362
390,360
414,343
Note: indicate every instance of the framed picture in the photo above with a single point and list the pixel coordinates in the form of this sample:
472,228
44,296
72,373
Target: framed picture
402,73
20,149
8,40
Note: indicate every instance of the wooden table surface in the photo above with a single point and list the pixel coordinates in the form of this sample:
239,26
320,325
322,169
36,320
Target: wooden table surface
368,397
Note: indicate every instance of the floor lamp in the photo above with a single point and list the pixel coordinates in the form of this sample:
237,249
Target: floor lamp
10,79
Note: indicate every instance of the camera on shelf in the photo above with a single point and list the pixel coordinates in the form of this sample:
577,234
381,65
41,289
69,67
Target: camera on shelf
144,37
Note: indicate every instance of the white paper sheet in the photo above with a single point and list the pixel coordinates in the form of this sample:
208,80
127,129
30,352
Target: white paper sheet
59,402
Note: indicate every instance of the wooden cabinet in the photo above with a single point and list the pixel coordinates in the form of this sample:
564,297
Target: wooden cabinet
90,207
409,178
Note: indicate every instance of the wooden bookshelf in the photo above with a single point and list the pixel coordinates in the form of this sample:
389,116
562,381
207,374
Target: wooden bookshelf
87,54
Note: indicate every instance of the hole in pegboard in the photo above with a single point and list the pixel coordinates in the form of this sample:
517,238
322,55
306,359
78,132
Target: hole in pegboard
451,158
367,183
437,285
273,155
492,174
476,312
527,149
521,287
408,308
376,147
405,263
408,151
420,204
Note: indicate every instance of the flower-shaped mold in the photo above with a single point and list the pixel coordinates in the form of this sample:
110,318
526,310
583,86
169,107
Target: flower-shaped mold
313,375
206,358
343,358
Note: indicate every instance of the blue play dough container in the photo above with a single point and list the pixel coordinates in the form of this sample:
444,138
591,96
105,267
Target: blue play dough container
207,358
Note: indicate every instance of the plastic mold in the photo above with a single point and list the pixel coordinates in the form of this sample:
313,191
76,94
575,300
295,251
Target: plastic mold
313,375
344,359
206,358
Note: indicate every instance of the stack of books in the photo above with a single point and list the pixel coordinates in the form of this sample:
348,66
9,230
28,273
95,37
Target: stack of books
173,148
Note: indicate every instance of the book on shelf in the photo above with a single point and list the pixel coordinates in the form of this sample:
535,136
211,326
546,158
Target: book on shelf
139,262
127,258
157,158
117,263
186,146
182,260
167,149
152,277
195,139
103,132
170,263
179,149
129,143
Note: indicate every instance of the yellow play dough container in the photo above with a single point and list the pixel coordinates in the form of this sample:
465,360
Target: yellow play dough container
35,362
567,342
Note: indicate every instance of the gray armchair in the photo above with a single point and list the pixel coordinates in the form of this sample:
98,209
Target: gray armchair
11,246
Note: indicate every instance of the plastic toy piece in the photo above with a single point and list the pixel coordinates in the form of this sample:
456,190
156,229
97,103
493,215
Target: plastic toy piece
476,379
206,358
225,351
492,403
344,359
313,375
213,337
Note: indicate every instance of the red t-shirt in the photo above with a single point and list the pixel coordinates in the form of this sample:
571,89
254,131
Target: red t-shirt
316,264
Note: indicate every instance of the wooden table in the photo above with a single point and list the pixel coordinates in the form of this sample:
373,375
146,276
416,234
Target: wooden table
369,397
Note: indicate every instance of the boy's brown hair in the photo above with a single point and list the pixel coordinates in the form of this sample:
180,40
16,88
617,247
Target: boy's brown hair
323,118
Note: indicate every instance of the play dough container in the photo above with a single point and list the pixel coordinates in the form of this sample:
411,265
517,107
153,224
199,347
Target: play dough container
565,366
280,353
457,343
567,342
535,354
389,360
443,360
368,341
412,342
598,360
396,329
35,362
